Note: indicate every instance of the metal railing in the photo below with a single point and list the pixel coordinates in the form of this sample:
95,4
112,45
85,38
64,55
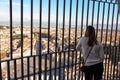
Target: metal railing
57,58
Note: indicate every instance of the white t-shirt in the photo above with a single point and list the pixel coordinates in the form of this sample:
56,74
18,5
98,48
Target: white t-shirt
96,54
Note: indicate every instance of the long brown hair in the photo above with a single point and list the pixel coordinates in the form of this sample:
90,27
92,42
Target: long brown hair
90,32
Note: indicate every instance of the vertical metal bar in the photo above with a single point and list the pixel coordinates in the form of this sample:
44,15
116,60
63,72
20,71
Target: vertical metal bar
87,13
34,64
93,12
72,65
102,28
11,43
22,68
116,34
64,66
64,63
114,57
119,51
0,61
70,14
98,18
40,27
15,70
8,69
118,65
60,66
67,65
82,19
107,24
102,33
76,20
75,75
31,24
111,35
57,6
21,28
49,24
45,66
106,38
102,21
117,44
49,7
50,66
0,69
28,69
64,7
106,35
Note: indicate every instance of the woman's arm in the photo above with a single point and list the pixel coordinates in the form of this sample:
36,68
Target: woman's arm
101,51
78,47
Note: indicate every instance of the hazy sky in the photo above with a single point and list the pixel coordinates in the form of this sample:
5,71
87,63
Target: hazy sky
4,11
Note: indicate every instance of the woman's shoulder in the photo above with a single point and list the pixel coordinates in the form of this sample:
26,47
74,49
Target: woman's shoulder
83,38
99,43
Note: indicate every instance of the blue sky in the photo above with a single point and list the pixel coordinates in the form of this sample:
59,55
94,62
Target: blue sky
4,13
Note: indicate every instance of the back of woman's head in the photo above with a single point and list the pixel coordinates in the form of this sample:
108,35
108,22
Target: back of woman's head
90,32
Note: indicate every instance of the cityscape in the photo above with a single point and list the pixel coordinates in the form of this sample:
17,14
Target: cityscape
69,38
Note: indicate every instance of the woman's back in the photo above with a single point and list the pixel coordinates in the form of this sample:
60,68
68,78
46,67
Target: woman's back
96,54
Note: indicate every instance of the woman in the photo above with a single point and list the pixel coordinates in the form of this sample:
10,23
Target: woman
93,50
